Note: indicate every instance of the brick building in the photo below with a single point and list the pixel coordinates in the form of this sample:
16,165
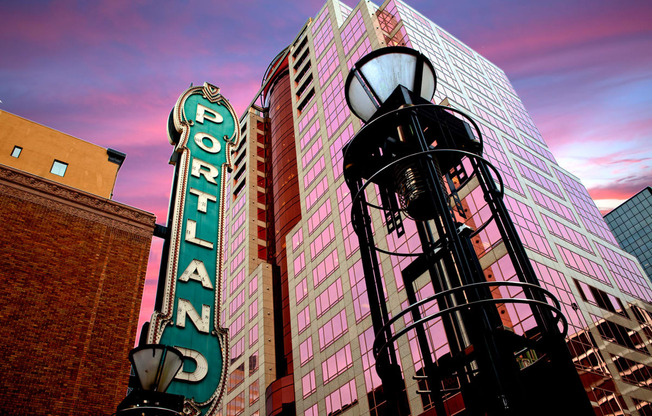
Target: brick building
74,264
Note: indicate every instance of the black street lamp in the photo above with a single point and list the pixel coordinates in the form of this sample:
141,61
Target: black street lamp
155,366
424,160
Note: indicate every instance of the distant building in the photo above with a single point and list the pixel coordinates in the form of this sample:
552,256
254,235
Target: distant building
294,295
631,223
73,264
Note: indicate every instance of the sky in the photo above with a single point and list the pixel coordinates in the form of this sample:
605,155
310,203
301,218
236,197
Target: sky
110,71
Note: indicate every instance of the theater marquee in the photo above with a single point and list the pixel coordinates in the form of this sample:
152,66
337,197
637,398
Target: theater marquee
203,127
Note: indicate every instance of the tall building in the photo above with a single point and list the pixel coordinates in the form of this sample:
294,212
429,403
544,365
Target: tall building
73,262
295,300
631,223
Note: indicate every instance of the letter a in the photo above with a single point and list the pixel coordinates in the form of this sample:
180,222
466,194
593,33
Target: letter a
197,271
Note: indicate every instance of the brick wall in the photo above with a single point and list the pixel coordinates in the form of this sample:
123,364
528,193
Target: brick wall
72,269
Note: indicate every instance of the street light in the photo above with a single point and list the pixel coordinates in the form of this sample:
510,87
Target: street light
424,161
155,366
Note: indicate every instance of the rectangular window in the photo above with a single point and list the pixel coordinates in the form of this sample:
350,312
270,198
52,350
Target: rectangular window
16,151
308,384
59,168
337,363
341,398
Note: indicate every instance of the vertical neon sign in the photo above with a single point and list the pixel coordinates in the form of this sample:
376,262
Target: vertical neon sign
206,127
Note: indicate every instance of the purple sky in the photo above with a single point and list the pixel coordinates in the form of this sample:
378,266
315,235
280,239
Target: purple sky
110,71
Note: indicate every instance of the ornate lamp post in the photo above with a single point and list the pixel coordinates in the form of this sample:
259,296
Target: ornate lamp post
155,366
424,160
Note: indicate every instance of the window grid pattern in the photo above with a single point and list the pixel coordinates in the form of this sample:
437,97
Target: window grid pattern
237,281
327,65
237,241
583,265
633,372
237,325
551,205
363,49
297,238
519,115
308,384
314,409
319,20
359,291
237,349
336,149
489,117
238,259
313,172
307,116
366,341
253,335
254,392
253,309
352,32
534,177
326,237
528,227
237,302
329,297
337,363
631,223
495,153
458,45
342,397
525,155
253,285
236,406
322,213
323,37
332,330
310,154
620,335
586,208
303,319
325,268
305,351
299,263
336,110
351,244
317,192
627,276
555,281
307,137
301,290
564,232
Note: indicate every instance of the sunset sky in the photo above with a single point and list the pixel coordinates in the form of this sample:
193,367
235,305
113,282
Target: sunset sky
110,71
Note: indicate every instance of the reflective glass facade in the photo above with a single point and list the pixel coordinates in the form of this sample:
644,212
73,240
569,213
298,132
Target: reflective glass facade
295,231
631,223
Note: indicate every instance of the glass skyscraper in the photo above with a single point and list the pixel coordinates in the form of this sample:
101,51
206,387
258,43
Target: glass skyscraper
294,299
631,223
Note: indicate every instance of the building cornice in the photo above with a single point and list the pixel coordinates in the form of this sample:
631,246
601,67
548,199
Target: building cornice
25,186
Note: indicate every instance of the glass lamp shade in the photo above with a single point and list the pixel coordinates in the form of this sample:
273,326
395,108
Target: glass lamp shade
156,365
374,77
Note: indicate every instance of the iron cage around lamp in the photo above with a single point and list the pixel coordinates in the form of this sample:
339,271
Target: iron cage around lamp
424,160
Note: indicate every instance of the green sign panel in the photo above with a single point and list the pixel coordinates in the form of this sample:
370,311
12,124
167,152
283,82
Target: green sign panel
206,127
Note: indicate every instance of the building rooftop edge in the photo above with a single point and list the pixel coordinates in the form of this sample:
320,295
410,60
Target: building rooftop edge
647,188
59,131
82,198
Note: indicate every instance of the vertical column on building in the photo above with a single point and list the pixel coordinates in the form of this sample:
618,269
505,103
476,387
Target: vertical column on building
286,213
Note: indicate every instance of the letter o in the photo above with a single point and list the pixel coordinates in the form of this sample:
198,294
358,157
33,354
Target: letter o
215,144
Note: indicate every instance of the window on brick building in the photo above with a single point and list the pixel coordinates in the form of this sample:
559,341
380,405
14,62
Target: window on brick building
16,151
